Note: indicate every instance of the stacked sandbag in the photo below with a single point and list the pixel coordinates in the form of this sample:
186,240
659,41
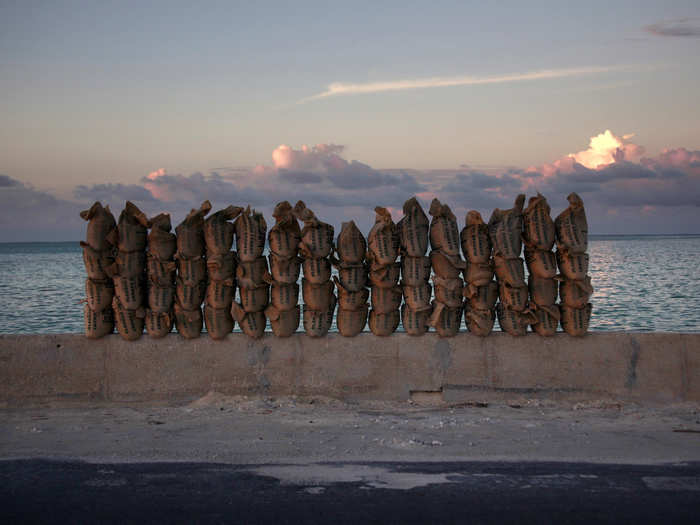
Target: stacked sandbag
505,232
480,290
384,273
98,258
351,280
221,265
316,247
283,240
415,268
252,274
160,272
575,288
191,284
447,264
538,235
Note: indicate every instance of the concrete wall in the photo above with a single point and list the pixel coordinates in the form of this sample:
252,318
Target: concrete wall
649,367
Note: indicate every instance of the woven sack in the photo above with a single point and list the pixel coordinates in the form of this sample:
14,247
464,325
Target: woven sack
283,322
317,296
573,265
191,270
254,299
415,270
132,229
575,321
317,270
159,271
128,264
285,269
386,276
444,234
98,265
511,271
385,300
190,232
445,320
479,321
251,323
446,266
161,242
129,291
351,322
129,322
572,227
160,298
383,239
188,323
547,319
384,324
513,297
317,323
415,322
220,294
575,294
316,236
538,227
418,297
250,235
158,324
252,274
349,299
476,243
218,321
413,229
512,322
506,229
284,296
542,291
218,231
541,263
448,291
190,295
285,235
98,294
482,297
478,274
353,276
101,228
221,266
98,323
351,244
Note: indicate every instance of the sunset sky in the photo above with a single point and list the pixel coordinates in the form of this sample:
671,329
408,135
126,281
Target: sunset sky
349,106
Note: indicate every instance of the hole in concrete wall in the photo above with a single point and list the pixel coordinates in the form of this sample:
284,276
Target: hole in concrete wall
426,397
58,346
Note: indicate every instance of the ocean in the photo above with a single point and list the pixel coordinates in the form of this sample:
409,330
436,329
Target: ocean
642,283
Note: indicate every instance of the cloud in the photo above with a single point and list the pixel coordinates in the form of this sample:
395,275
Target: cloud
8,182
106,192
607,148
688,27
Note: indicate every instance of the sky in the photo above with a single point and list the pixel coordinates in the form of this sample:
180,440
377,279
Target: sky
348,106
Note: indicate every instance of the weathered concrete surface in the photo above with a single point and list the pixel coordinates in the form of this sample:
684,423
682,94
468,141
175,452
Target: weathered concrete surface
649,367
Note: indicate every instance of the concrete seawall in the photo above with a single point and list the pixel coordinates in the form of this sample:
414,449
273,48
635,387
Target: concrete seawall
644,367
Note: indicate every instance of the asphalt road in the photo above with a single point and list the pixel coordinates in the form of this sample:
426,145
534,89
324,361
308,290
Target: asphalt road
43,491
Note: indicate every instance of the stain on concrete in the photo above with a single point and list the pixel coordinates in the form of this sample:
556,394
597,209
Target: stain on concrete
442,356
631,380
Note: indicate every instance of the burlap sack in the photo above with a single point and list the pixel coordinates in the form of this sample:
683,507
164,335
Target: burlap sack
251,229
285,270
99,294
129,291
413,229
128,264
386,276
191,270
284,296
161,242
572,227
511,271
252,274
542,291
384,324
538,227
478,274
317,323
160,272
98,265
446,266
512,322
190,295
541,263
445,320
575,321
220,294
349,299
316,236
218,231
418,297
129,322
251,323
285,235
476,243
317,270
448,291
190,232
254,299
383,239
159,324
385,300
513,297
415,322
573,265
351,322
506,229
415,270
101,228
98,323
317,296
482,297
222,266
444,234
283,322
575,294
188,323
352,276
351,244
479,321
547,319
160,298
218,321
132,229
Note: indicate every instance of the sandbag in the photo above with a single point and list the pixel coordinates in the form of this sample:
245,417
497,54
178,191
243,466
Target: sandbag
161,242
159,271
413,229
575,321
220,294
253,273
446,266
415,322
547,319
385,300
251,323
386,276
98,294
479,321
129,322
476,243
218,231
254,299
283,322
541,263
101,228
448,291
573,265
317,296
221,266
415,270
190,295
478,274
512,322
218,321
351,322
98,265
351,244
284,296
350,299
418,297
128,264
160,298
190,232
538,227
383,239
191,270
513,297
352,276
542,291
384,324
506,229
316,236
285,235
250,235
98,323
132,229
575,294
444,234
158,324
129,291
286,269
482,297
317,323
317,270
188,323
511,271
571,226
445,320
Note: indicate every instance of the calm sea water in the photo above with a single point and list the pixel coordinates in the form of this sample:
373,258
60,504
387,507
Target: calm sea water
643,283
